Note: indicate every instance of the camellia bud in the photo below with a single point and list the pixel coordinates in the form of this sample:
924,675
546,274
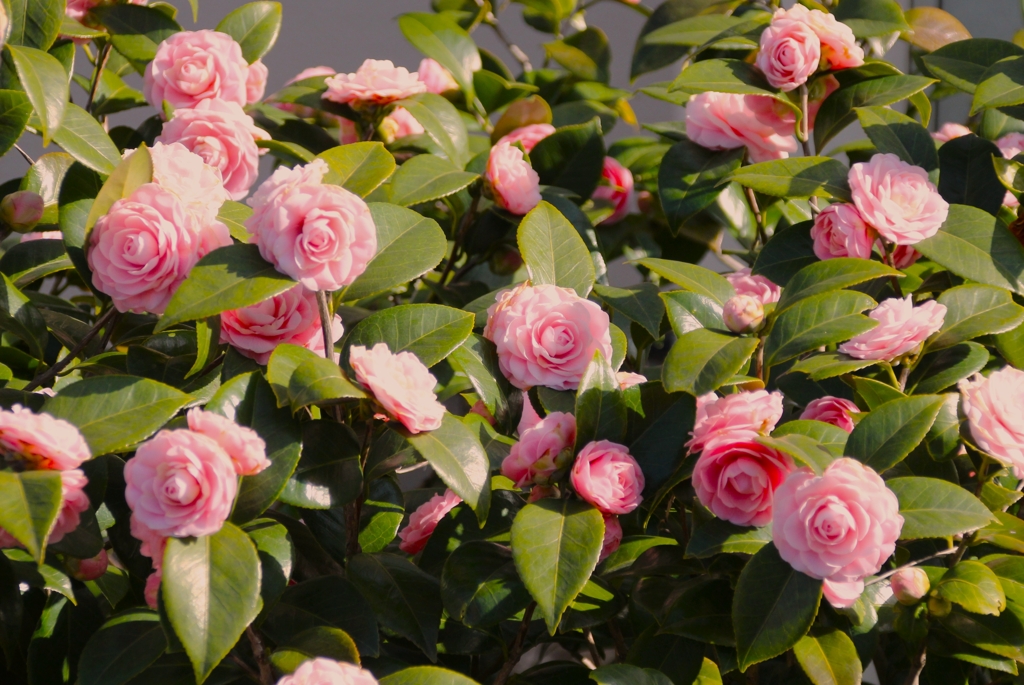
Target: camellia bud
909,585
88,569
743,314
506,262
22,210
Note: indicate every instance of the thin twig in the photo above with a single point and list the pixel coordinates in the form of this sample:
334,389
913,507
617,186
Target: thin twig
27,156
101,64
109,333
943,553
266,673
888,260
325,323
762,236
459,238
621,650
75,351
517,647
517,52
913,678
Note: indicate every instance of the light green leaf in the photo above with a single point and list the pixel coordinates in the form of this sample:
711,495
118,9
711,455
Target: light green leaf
46,84
838,110
973,311
130,173
426,178
798,177
933,508
892,430
554,252
963,64
426,675
358,167
831,274
974,586
600,407
458,458
829,658
300,378
84,138
691,277
254,26
430,331
15,110
822,319
29,504
702,360
438,37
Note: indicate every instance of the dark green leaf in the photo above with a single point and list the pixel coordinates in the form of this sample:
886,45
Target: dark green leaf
457,457
973,311
480,586
328,474
964,63
690,177
35,23
254,26
15,110
838,110
84,138
832,274
869,18
900,135
300,377
717,536
829,365
572,158
639,303
477,359
1001,85
786,253
321,641
438,37
815,321
600,406
702,360
689,311
891,431
328,601
797,177
677,657
648,58
277,555
136,31
967,175
933,508
429,331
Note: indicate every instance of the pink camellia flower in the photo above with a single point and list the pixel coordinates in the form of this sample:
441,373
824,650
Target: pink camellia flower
839,231
949,131
192,66
993,409
290,317
618,192
738,479
726,121
818,92
1011,145
376,82
197,184
312,72
424,520
144,247
73,502
22,210
528,136
834,410
743,415
243,445
400,383
910,585
901,328
436,78
743,313
789,52
88,569
628,379
78,9
840,526
605,475
512,181
546,335
399,124
224,136
542,451
256,82
152,543
321,235
897,199
322,671
756,286
41,235
152,591
839,49
32,441
612,536
903,256
181,484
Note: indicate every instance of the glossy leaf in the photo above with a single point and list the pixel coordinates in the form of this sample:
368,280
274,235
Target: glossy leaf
702,360
477,359
480,586
797,178
973,311
328,474
457,457
442,124
819,320
254,26
892,430
29,504
329,601
1001,85
974,586
429,331
84,138
15,110
572,158
123,648
300,377
838,110
832,274
136,31
967,175
35,23
964,63
690,177
358,167
786,253
717,536
900,135
600,407
426,675
829,658
46,84
689,311
933,508
691,277
426,178
330,643
438,37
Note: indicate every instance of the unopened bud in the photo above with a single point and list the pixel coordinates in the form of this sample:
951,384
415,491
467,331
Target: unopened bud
88,569
743,314
506,262
22,210
909,585
645,202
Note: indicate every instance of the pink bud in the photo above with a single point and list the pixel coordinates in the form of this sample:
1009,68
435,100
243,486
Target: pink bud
743,314
88,569
909,585
22,210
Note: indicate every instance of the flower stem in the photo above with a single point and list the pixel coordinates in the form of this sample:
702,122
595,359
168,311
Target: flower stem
73,354
325,323
517,647
101,64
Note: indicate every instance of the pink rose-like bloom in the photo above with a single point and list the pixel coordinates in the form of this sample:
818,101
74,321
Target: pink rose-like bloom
40,441
627,379
74,502
197,184
376,82
839,49
743,415
755,286
834,410
897,199
546,335
743,313
224,136
243,445
904,256
399,124
789,54
152,543
819,91
839,231
618,191
88,569
181,484
605,475
312,72
993,409
41,235
840,526
726,121
612,536
290,317
949,131
1011,145
910,585
528,136
738,479
152,592
256,82
513,182
22,210
436,78
542,451
322,671
901,328
424,520
321,235
192,66
400,383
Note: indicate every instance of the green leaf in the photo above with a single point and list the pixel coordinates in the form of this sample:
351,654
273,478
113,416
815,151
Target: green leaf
440,38
832,274
254,26
829,365
458,458
692,32
967,175
819,320
136,31
798,177
718,536
442,124
328,474
691,277
802,448
838,110
555,544
211,591
230,277
124,647
28,262
34,23
974,586
554,252
84,138
572,158
892,430
933,508
973,311
688,311
301,377
786,253
724,76
115,413
625,674
20,318
829,658
405,599
29,504
15,110
979,247
46,84
1003,634
277,556
875,393
690,177
869,18
430,331
426,675
125,179
900,135
234,215
480,586
702,360
584,54
1005,531
426,178
600,406
963,64
678,658
772,608
1001,85
477,359
321,641
328,601
639,303
647,58
358,167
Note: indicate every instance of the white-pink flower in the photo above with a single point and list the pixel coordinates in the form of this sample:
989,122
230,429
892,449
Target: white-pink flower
608,477
424,520
738,416
993,409
745,283
839,231
39,441
192,66
726,121
789,52
839,48
376,82
400,383
616,189
436,78
897,199
528,136
256,82
544,449
290,317
322,671
197,184
514,184
901,328
949,131
73,502
243,445
399,124
834,410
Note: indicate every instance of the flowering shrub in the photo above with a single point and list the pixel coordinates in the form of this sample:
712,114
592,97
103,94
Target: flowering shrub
217,392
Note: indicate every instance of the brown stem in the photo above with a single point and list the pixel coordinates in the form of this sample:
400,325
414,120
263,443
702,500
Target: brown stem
762,236
25,155
621,650
916,562
914,676
459,238
109,333
266,674
595,656
101,64
326,319
517,647
73,354
888,261
517,52
759,360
